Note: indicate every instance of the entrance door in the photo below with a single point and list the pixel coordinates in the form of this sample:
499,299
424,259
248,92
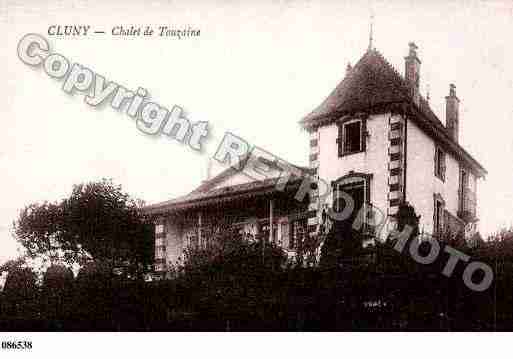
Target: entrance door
356,191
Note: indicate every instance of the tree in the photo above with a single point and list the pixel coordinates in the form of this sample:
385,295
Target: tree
342,243
56,293
93,294
232,276
233,252
98,221
20,291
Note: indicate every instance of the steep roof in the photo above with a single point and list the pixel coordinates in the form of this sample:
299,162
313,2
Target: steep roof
373,84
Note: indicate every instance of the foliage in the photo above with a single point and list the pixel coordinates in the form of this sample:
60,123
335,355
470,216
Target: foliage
342,242
228,250
13,264
233,282
57,278
21,281
56,292
20,291
230,274
96,221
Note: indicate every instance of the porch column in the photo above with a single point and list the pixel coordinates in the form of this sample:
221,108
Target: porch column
200,224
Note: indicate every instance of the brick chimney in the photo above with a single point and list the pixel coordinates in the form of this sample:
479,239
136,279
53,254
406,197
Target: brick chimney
452,104
412,71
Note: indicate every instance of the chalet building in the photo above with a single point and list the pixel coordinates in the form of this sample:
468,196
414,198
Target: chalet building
375,138
256,208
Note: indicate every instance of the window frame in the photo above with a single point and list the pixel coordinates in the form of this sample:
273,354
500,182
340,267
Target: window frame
341,138
438,218
297,230
440,163
192,240
355,179
283,233
464,187
160,251
159,228
265,230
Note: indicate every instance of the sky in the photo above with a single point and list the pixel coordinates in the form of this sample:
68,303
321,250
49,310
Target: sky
256,69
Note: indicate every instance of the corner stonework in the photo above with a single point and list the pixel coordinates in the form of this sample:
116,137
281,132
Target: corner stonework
396,166
313,206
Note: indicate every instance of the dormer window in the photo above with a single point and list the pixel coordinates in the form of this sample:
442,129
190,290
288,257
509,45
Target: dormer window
351,137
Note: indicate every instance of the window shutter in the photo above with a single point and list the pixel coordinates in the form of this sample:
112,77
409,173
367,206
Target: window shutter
364,134
443,166
460,191
436,161
291,235
340,140
434,215
284,234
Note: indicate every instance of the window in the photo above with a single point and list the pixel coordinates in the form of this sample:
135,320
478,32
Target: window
297,233
463,188
284,234
351,137
160,264
440,163
191,240
438,214
159,228
159,241
248,230
265,231
467,196
160,251
464,179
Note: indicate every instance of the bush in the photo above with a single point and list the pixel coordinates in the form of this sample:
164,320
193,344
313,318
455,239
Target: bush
20,294
57,293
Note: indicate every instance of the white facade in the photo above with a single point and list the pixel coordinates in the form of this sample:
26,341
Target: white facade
415,163
374,160
422,184
267,216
